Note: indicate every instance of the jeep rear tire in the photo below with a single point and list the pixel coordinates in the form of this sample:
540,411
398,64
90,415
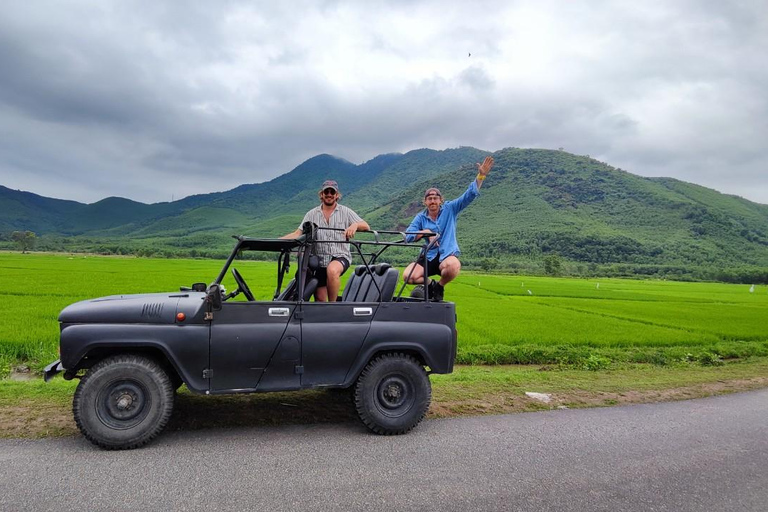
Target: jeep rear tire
123,402
392,394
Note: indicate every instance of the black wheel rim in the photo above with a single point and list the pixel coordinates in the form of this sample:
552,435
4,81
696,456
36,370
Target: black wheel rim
394,395
123,404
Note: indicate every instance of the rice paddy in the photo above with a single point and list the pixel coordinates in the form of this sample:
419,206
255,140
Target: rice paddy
501,318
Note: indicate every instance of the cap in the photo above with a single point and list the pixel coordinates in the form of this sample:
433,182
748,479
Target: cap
330,184
432,190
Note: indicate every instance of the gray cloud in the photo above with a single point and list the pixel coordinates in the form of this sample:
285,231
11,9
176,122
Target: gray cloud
158,100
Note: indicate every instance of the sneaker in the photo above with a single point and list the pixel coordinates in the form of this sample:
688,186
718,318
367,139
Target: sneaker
436,292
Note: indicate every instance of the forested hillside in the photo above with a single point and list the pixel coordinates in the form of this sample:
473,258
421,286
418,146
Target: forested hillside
539,202
539,210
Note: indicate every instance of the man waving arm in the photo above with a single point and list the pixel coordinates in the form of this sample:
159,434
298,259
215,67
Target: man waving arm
483,170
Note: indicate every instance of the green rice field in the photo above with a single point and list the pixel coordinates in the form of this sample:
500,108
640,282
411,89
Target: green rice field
501,318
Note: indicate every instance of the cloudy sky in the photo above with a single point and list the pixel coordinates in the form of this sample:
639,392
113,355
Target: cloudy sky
157,100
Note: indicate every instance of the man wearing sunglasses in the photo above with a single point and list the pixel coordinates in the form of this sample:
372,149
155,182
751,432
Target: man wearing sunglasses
440,217
335,257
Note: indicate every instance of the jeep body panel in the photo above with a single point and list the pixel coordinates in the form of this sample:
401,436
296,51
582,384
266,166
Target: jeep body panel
322,345
185,347
139,322
244,340
149,308
332,335
422,328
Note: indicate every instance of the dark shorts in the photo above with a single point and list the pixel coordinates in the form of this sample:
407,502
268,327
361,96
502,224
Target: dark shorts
322,273
433,266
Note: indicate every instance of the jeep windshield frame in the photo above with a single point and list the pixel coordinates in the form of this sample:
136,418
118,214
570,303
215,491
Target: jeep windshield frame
369,252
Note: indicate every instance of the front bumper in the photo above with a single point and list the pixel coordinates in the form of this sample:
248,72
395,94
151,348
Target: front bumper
52,369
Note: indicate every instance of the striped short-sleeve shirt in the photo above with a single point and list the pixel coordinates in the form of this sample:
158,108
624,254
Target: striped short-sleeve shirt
341,218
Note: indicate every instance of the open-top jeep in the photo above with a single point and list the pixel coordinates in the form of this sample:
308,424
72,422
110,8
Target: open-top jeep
131,352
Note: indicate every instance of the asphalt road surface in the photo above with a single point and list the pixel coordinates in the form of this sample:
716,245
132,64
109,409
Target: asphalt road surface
709,454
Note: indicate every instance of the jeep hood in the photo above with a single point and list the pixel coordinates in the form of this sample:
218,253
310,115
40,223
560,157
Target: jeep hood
152,308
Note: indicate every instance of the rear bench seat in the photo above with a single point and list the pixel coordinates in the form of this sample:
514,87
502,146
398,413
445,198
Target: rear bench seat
378,285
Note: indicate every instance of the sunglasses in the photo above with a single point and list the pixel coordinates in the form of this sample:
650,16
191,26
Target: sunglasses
329,192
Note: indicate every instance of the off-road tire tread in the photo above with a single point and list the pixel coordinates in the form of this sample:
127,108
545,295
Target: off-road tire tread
167,398
359,399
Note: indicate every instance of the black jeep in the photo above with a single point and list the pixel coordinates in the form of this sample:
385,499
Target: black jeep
132,352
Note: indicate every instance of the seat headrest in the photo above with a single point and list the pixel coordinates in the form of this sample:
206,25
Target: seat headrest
314,262
379,269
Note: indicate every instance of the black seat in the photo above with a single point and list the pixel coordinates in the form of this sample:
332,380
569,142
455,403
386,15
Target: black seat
310,286
372,284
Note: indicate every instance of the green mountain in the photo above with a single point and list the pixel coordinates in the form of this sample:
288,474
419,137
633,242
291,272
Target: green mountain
27,211
538,202
535,204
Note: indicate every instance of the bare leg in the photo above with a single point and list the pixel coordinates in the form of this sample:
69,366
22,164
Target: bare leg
417,277
334,271
321,294
449,269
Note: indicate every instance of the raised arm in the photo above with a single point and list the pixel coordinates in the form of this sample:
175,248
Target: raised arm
483,170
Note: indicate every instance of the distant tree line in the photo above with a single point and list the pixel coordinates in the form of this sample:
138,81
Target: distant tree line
555,265
499,256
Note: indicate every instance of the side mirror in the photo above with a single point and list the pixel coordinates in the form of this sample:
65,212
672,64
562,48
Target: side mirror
214,297
197,287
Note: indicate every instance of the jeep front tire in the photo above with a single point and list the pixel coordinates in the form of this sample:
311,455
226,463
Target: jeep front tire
392,394
123,402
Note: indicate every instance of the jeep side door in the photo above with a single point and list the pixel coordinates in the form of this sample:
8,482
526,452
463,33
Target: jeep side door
332,334
249,337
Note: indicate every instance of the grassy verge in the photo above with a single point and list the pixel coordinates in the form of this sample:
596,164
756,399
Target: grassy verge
34,409
501,389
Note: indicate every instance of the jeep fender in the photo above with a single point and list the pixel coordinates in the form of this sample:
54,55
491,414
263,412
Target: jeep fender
184,348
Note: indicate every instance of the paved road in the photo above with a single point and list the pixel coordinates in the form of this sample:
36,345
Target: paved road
709,454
